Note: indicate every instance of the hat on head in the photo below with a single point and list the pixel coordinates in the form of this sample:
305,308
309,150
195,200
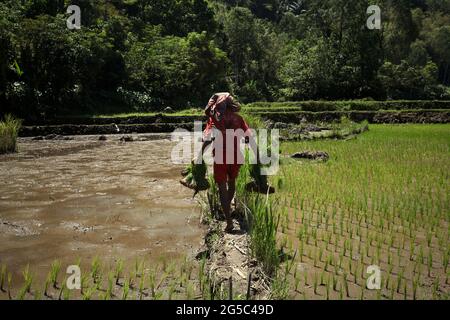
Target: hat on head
219,103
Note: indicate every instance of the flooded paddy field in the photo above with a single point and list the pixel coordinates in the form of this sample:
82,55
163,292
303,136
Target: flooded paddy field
85,198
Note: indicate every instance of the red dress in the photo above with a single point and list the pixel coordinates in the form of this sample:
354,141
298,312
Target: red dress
224,169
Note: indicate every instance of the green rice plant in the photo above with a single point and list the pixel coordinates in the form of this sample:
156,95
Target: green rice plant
327,262
87,294
334,282
415,286
388,280
322,278
63,287
110,287
430,262
28,278
38,295
399,280
55,268
171,290
421,256
9,131
350,265
301,251
361,296
3,274
126,289
391,297
66,293
327,288
9,285
379,294
136,266
141,287
296,282
152,282
445,259
315,283
341,292
429,237
436,287
22,292
189,292
341,258
351,249
95,269
345,283
119,270
47,282
263,231
83,281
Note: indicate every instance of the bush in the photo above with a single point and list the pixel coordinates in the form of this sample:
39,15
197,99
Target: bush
9,130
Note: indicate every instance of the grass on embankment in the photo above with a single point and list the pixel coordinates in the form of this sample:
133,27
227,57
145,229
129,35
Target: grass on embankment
350,105
184,112
312,106
382,199
9,130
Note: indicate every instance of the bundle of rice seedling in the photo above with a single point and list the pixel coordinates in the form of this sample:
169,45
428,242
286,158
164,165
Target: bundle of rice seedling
9,131
259,181
195,177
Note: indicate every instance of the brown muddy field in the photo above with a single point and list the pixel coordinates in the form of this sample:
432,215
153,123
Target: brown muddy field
85,198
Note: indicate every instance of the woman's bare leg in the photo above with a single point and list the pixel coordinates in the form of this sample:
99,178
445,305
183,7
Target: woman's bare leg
226,203
231,191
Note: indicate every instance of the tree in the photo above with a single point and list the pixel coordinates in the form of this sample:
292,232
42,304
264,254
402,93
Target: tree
177,72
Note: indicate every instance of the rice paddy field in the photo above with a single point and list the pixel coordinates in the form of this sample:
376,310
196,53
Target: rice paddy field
382,199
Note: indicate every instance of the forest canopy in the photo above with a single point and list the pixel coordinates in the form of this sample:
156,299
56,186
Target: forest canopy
146,55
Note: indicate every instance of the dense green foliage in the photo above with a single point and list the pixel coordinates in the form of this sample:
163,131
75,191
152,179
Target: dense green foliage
145,55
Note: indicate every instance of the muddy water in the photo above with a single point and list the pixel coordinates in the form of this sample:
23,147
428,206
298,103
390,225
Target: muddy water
84,198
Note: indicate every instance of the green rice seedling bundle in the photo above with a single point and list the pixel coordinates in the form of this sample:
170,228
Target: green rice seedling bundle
119,270
46,284
3,272
315,283
195,177
84,281
22,292
87,295
28,278
258,181
9,130
65,292
9,284
445,259
38,295
55,268
126,289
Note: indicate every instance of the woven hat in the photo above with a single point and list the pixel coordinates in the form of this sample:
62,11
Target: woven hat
219,103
